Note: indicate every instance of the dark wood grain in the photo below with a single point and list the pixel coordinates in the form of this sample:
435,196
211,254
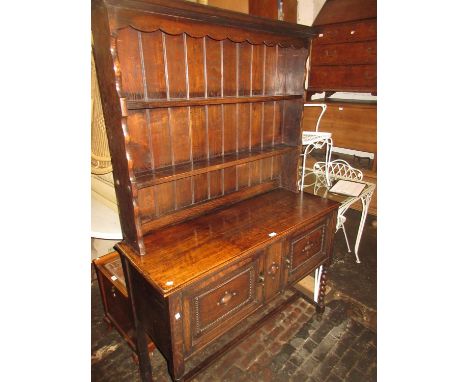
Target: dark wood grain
203,110
200,209
117,309
229,77
176,65
264,8
172,173
153,61
135,105
211,240
213,66
244,69
107,79
336,11
128,52
215,16
344,50
196,66
215,131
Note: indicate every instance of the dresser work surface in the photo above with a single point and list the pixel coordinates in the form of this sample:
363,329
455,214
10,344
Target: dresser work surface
178,254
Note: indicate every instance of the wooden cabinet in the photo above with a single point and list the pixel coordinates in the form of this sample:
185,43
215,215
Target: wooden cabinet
203,111
344,50
114,296
271,9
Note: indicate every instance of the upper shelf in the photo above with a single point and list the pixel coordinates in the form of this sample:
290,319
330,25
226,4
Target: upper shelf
152,104
171,173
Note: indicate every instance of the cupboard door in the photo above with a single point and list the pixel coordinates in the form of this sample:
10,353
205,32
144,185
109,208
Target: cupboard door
220,301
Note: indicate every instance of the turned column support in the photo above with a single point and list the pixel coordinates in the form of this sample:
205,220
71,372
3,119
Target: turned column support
320,307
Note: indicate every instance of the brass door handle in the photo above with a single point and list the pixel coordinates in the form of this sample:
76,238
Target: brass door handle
307,247
273,269
261,278
226,298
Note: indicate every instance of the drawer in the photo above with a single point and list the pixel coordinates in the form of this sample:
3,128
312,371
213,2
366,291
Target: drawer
345,54
306,250
307,246
363,30
221,301
344,78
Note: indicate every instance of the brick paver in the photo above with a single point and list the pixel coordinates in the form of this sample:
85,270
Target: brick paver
294,347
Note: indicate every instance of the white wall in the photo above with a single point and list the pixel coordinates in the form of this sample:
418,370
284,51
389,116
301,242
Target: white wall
307,11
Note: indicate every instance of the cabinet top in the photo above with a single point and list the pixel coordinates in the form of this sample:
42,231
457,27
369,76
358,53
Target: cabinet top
179,254
187,11
342,11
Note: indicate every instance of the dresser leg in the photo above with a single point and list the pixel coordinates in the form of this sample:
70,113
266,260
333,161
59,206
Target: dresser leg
144,363
176,363
320,307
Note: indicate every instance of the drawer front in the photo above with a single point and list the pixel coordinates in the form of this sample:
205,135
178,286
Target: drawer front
307,249
221,301
307,246
363,30
345,54
344,78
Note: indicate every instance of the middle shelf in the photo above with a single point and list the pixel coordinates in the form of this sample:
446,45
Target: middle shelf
171,173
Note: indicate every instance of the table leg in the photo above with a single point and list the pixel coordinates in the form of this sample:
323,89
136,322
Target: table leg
365,200
141,344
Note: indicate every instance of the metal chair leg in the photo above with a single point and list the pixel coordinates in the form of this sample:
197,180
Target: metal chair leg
346,237
303,168
329,149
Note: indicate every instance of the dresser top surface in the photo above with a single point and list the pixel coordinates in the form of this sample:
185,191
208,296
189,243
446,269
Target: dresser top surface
341,11
179,254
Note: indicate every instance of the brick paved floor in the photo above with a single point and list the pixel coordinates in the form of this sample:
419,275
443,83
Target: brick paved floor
295,345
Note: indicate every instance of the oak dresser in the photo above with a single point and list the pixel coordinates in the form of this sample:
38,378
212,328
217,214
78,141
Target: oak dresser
203,110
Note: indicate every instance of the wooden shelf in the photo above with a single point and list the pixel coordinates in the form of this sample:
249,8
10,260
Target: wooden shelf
153,104
171,173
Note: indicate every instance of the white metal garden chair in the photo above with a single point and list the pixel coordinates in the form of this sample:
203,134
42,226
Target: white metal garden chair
316,140
337,169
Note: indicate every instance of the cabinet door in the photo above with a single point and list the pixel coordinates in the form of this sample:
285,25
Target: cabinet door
220,301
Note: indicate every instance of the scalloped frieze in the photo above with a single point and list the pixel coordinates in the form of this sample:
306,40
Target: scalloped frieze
123,18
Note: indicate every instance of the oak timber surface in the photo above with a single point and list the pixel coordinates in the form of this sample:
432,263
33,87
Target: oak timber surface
183,252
